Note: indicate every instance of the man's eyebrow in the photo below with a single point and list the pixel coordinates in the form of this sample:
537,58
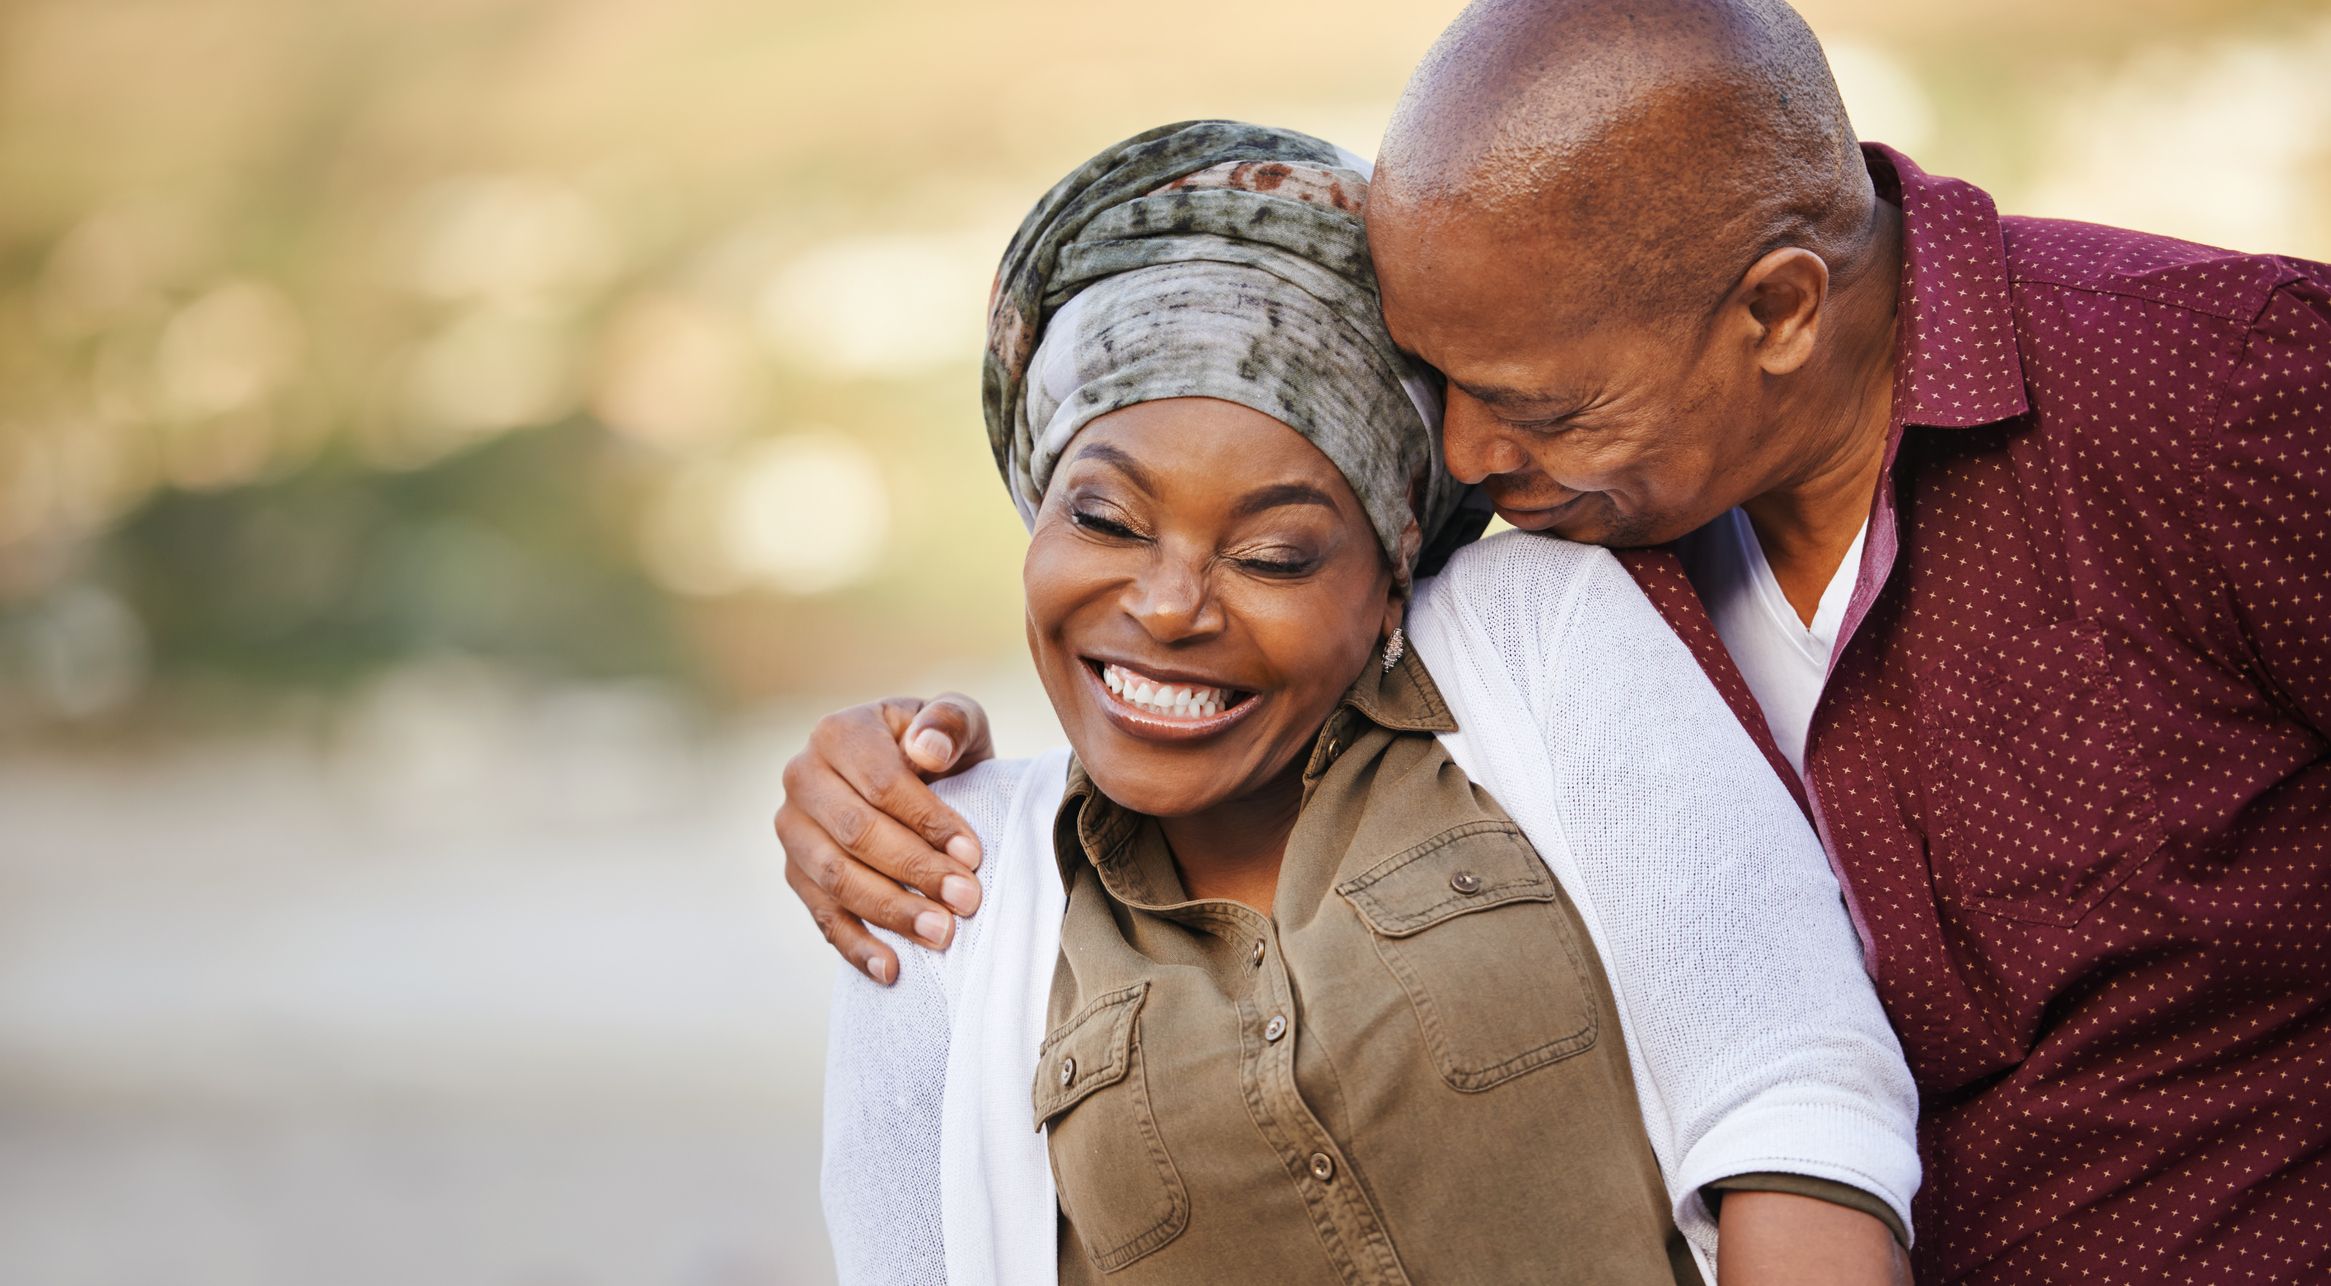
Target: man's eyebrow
1281,494
1499,395
1103,453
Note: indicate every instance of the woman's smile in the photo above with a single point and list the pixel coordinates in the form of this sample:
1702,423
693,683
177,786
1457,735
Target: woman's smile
1203,587
1163,706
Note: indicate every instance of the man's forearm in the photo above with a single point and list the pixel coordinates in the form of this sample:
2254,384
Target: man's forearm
1781,1239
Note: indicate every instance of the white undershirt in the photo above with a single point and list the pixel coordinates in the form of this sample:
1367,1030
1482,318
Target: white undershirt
1784,660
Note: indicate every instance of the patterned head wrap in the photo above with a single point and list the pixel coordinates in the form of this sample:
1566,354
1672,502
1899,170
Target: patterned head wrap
1215,259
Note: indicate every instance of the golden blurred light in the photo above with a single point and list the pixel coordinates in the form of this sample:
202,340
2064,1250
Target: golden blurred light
221,450
25,486
100,472
801,514
229,348
114,263
492,369
676,372
1882,95
883,306
514,238
2220,142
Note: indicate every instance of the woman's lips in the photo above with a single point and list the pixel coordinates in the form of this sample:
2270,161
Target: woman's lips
1156,709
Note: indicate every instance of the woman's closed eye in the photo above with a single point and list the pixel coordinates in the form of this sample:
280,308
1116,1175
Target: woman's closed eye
1101,523
1278,560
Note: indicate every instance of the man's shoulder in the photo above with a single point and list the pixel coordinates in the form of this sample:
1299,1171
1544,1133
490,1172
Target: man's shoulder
2065,255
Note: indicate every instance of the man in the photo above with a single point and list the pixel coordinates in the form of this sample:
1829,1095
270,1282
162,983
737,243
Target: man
2013,535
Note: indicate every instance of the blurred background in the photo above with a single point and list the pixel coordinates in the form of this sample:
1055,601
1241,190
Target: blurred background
449,449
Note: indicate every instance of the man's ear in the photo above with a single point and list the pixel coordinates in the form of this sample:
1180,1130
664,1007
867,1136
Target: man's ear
1783,293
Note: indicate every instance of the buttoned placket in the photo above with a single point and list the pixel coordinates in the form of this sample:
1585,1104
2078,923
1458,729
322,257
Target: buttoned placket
1270,1033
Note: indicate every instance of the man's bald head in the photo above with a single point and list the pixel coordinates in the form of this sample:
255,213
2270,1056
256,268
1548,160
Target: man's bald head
1639,239
1659,146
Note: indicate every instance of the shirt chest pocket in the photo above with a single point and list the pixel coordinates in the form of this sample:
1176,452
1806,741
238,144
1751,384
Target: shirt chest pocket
1117,1184
2041,802
1479,934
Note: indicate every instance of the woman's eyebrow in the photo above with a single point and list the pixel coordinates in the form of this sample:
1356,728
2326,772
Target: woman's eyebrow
1103,453
1280,494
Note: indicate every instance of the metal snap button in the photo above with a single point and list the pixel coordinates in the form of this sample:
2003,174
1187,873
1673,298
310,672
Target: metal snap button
1465,882
1275,1028
1257,957
1067,1072
1322,1166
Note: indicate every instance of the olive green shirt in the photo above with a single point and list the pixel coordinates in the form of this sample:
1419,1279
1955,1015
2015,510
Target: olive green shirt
1410,1071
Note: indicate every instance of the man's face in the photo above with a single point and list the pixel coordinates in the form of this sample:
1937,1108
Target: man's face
1578,416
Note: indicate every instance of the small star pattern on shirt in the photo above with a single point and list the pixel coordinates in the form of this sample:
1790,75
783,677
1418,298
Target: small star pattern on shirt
2073,758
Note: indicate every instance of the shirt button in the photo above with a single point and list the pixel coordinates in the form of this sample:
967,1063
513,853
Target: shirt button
1067,1072
1335,746
1322,1166
1275,1028
1257,957
1465,882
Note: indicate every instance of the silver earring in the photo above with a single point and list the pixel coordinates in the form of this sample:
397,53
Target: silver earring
1394,648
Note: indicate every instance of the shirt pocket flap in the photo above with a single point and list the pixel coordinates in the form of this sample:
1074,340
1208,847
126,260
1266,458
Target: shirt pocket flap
1089,1052
1466,868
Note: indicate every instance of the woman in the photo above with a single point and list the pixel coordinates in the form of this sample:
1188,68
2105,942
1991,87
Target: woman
1290,995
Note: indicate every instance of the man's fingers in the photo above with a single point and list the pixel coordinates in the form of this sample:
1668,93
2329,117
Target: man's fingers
947,735
864,894
889,818
827,818
843,932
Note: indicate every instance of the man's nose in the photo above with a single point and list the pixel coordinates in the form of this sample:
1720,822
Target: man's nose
1474,445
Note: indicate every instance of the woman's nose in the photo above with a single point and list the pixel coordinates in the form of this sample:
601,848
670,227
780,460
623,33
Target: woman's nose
1173,602
1474,445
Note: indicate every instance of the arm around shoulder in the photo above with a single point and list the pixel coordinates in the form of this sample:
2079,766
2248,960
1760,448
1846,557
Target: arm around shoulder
1759,1043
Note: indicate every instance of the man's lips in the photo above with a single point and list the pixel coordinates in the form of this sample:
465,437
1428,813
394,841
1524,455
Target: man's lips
1537,519
1165,707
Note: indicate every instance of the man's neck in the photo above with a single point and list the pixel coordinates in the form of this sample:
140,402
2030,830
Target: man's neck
1807,525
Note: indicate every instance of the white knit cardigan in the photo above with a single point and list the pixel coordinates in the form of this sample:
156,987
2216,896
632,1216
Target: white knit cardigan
1755,1037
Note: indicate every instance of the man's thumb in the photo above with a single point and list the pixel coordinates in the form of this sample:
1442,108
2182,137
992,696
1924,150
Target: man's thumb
935,737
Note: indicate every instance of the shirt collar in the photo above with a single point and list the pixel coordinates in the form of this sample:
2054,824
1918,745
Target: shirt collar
1958,365
1091,827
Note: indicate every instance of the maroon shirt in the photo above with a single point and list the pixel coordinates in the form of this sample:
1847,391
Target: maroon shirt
2071,756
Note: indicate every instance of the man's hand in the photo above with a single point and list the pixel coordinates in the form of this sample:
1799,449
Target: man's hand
858,822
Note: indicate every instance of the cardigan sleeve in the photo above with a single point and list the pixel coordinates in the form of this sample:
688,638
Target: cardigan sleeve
1759,1041
886,1077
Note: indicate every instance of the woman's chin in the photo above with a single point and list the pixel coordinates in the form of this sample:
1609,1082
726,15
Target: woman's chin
1154,789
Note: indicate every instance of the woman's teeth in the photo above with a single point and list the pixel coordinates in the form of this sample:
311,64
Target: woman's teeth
1187,701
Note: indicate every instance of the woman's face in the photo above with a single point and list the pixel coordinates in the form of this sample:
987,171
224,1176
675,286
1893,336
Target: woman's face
1202,588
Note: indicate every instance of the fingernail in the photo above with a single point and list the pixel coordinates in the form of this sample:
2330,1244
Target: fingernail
964,849
931,927
960,892
934,745
879,968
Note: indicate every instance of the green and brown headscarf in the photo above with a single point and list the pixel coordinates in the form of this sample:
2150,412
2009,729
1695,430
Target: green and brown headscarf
1215,259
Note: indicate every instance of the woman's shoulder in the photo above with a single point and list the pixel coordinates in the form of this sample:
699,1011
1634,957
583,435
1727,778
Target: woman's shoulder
987,794
1518,595
1520,563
